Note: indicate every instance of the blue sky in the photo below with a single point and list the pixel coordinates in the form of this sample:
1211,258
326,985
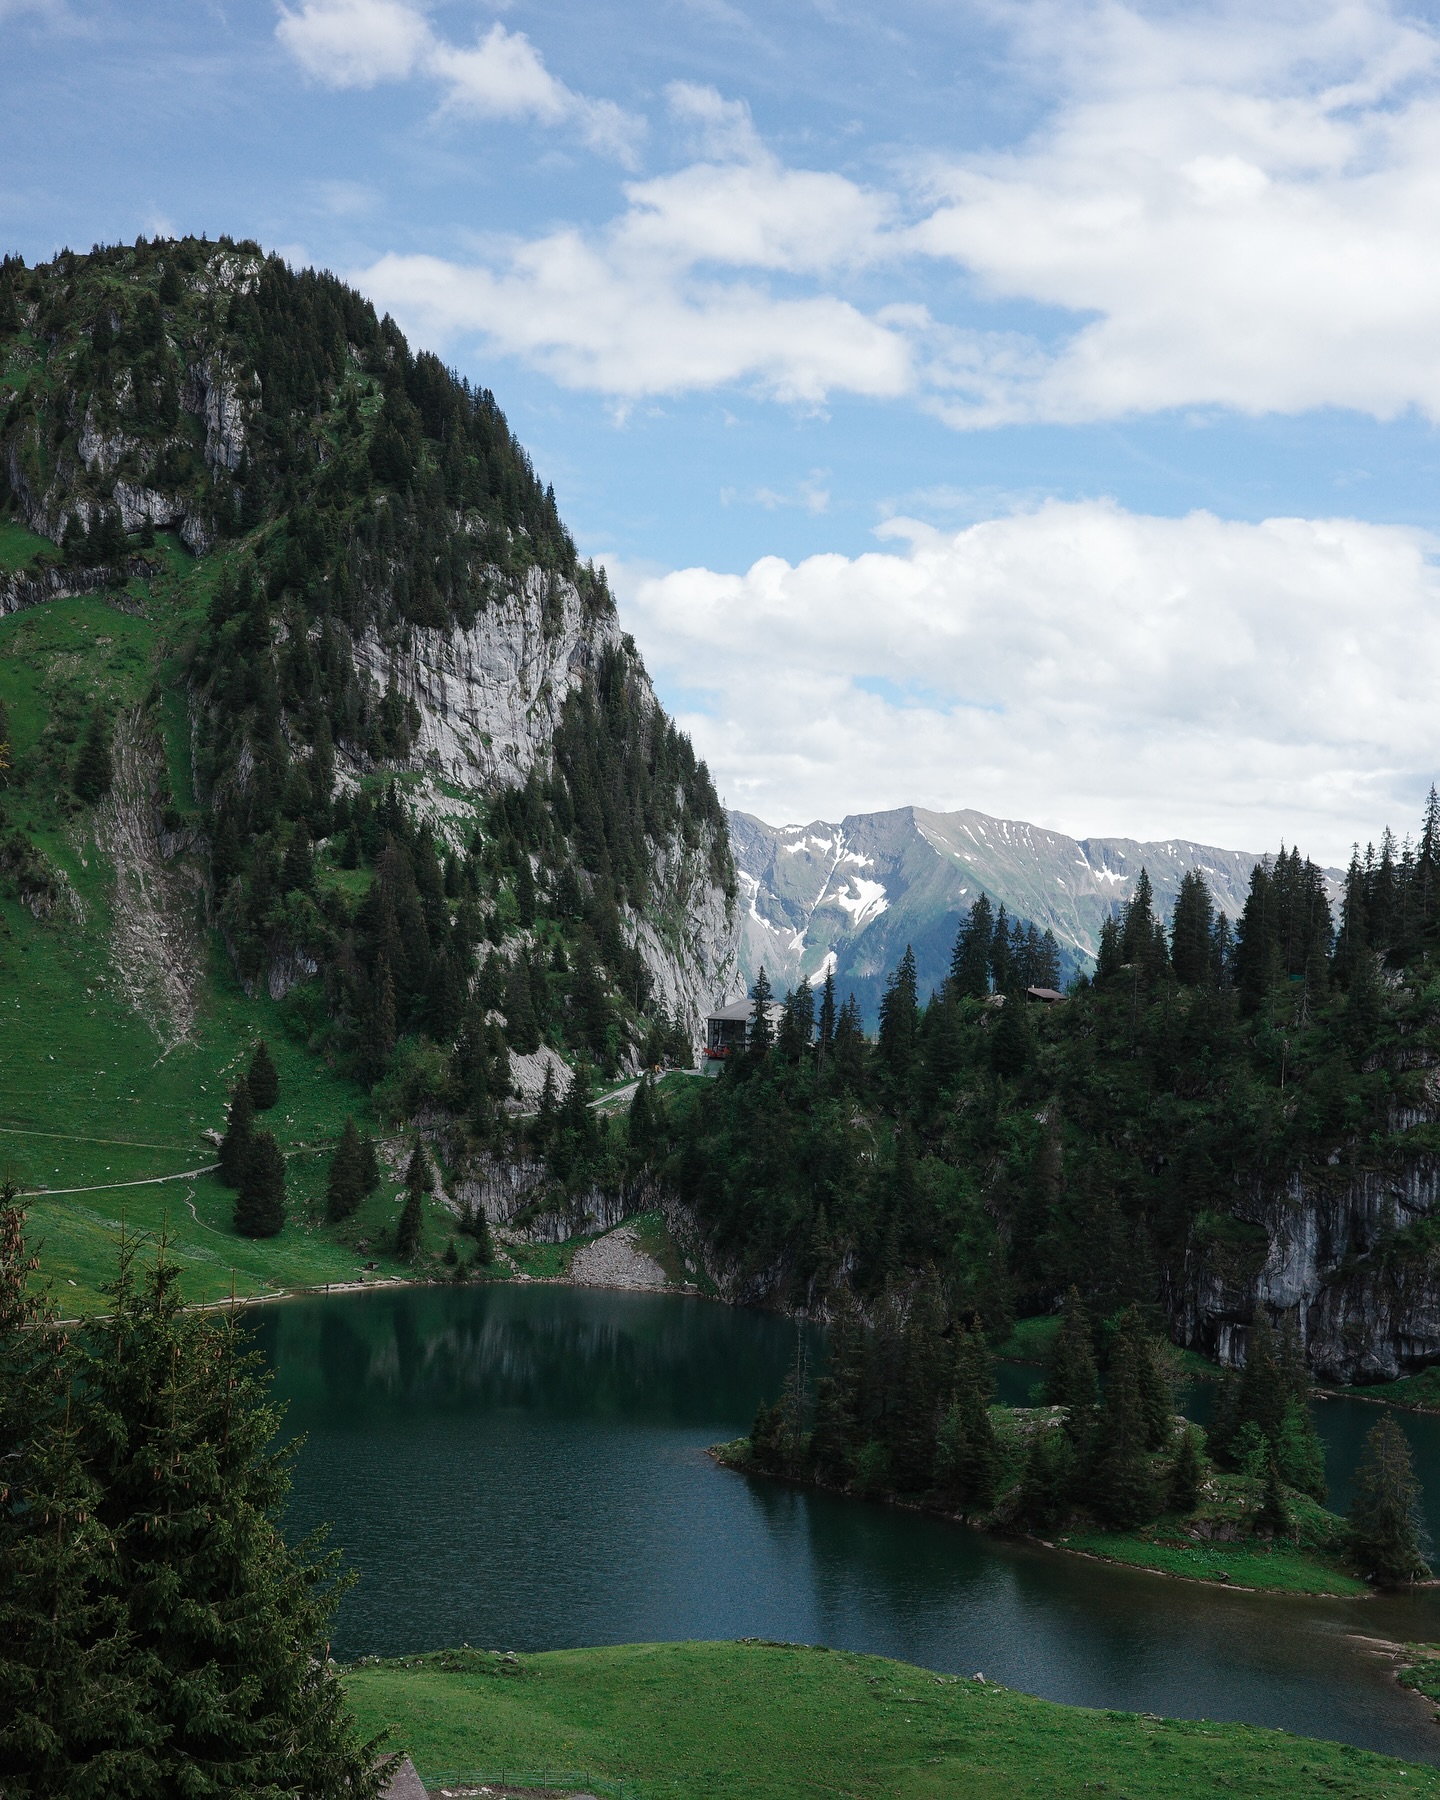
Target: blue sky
1027,406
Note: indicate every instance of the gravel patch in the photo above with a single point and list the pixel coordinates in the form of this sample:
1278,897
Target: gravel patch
617,1261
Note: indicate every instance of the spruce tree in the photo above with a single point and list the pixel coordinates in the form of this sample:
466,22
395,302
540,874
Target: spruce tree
967,1456
760,997
369,1165
521,1031
1300,1453
227,1623
641,1122
900,1020
410,1231
260,1202
94,771
484,1243
239,1131
418,1174
71,1691
1011,1043
1274,1515
1192,931
1072,1381
344,1188
970,960
1385,1530
298,869
1187,1473
1120,1486
263,1081
825,1024
1157,1399
377,1034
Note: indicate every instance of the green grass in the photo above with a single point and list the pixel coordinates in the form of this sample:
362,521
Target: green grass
1030,1341
545,1261
1420,1391
89,1098
1423,1672
1274,1569
18,545
756,1721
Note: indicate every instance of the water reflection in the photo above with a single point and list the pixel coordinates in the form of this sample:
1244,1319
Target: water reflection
526,1468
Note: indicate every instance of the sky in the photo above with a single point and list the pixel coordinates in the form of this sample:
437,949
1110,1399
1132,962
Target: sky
1029,407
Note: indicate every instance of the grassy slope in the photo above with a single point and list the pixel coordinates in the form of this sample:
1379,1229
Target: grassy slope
86,1096
712,1721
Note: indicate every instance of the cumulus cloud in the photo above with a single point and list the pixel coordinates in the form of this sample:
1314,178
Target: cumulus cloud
1077,665
672,295
1243,200
358,43
1222,206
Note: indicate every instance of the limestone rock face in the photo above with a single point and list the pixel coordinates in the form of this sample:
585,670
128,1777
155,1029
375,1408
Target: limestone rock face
490,699
1323,1251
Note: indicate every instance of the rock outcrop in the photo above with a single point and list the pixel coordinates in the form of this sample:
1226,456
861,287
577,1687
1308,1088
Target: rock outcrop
1344,1252
489,700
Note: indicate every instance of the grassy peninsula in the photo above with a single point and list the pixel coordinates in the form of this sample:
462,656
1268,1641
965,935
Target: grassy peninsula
722,1721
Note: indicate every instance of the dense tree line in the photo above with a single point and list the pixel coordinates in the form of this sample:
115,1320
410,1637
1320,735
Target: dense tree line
1119,1141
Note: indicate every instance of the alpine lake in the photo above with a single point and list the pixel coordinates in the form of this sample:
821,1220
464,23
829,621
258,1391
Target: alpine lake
524,1467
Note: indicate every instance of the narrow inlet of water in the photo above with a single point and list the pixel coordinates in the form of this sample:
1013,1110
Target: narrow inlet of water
525,1468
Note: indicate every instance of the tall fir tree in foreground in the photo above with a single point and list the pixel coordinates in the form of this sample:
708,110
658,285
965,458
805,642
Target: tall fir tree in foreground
157,1635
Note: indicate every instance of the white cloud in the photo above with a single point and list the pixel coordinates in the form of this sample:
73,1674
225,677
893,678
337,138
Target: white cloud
358,43
653,304
355,43
594,319
1079,666
1222,206
1243,200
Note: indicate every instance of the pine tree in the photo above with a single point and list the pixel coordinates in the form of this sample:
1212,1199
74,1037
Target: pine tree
298,869
344,1188
1192,931
410,1231
1121,1488
369,1165
263,1081
641,1123
377,1036
825,1027
1157,1399
1274,1514
94,771
260,1202
900,1020
1385,1529
1072,1381
418,1174
1011,1043
484,1244
760,996
1001,974
521,1031
71,1696
967,1456
1187,1473
239,1130
227,1623
837,1395
1300,1453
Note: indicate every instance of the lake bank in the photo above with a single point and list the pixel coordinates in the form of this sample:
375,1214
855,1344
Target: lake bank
1162,1548
741,1721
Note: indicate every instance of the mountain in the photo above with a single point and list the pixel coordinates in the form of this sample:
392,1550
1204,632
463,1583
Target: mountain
852,894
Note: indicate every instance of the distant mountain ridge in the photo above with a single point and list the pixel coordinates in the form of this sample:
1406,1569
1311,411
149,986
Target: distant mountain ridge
859,890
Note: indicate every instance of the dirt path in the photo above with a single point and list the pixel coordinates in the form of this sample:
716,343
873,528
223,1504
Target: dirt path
106,1186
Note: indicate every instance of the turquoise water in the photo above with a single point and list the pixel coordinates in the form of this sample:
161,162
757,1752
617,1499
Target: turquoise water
525,1468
